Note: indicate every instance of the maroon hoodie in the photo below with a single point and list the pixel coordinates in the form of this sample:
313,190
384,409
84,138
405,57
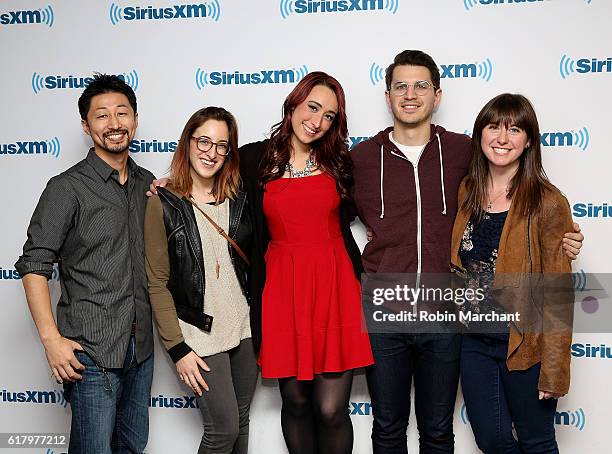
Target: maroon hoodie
410,209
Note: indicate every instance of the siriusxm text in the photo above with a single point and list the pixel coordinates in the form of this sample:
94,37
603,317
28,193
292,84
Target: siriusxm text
152,146
21,17
173,12
590,210
38,147
591,351
333,6
279,76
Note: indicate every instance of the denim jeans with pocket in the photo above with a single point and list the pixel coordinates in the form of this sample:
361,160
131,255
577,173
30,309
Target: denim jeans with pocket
110,407
497,400
433,361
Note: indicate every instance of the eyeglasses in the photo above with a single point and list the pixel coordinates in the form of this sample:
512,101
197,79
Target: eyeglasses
205,144
421,87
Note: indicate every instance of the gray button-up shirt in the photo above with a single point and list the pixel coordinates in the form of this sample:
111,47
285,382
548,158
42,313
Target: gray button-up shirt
93,228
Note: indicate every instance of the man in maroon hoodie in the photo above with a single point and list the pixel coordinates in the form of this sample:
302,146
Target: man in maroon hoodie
406,183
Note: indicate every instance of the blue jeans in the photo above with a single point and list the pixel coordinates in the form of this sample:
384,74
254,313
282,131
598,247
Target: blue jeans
495,398
110,407
433,360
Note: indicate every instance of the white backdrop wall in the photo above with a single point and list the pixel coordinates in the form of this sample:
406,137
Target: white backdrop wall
558,53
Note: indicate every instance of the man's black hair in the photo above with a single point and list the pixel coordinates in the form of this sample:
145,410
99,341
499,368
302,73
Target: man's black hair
105,83
414,58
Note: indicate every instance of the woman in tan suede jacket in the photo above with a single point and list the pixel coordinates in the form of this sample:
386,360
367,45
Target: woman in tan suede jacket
507,240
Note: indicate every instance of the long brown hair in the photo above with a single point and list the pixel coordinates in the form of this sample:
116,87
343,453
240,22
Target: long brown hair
227,179
530,181
330,152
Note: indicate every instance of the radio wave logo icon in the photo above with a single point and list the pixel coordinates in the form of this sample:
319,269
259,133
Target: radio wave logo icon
131,79
581,139
301,72
55,276
213,9
286,8
463,414
115,13
272,76
47,16
53,147
60,399
37,82
575,418
485,70
201,78
377,73
469,4
566,66
579,280
392,5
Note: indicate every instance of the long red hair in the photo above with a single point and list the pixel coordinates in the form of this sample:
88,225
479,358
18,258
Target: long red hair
330,152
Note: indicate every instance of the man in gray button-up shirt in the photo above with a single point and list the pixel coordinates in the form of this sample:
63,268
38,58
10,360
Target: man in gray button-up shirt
89,219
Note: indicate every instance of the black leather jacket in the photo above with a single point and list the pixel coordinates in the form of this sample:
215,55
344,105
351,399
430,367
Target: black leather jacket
187,279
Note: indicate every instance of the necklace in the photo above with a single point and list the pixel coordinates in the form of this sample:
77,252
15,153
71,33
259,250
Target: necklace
214,244
492,201
307,171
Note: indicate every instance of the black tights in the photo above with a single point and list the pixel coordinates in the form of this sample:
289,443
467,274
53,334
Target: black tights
315,417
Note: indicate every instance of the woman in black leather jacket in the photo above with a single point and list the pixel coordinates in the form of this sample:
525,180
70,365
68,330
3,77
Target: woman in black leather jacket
198,278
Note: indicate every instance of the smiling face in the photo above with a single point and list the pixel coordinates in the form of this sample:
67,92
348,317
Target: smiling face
313,117
111,122
503,145
206,164
411,109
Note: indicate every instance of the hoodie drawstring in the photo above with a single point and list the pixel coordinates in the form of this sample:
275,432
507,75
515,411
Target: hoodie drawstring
382,172
382,194
441,173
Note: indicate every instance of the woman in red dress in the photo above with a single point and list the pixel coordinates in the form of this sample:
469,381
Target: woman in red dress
306,266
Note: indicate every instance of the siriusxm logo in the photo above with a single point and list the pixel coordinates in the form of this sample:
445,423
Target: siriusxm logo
210,9
579,280
481,70
36,16
152,146
162,401
360,408
569,66
469,4
13,274
589,210
9,274
580,139
49,147
40,82
601,351
288,7
572,138
575,418
271,76
53,397
354,140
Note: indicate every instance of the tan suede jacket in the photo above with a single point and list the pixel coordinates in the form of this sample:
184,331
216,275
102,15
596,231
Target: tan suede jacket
533,277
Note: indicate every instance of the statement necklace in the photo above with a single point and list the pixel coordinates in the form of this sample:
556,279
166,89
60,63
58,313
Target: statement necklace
306,172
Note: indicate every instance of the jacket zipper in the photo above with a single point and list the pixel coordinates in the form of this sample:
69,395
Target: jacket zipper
417,185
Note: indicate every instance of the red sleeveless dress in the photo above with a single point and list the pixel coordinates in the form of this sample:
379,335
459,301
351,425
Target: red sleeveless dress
312,320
